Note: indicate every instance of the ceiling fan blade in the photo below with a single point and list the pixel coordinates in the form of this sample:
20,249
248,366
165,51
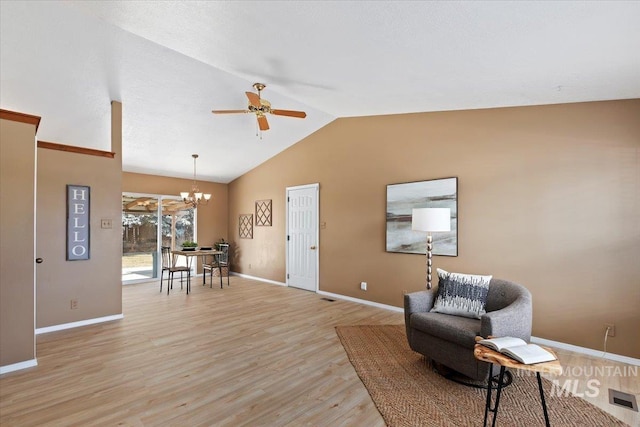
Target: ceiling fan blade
289,113
229,111
262,122
253,99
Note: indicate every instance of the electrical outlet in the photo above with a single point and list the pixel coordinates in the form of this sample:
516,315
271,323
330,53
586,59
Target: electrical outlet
612,329
74,304
106,223
363,286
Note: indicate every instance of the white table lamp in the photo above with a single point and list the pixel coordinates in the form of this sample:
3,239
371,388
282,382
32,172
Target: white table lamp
430,220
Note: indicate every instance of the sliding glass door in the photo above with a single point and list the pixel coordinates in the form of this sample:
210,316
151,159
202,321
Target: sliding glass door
139,237
143,235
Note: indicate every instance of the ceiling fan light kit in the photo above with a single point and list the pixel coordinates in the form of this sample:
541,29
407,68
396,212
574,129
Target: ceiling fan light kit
260,107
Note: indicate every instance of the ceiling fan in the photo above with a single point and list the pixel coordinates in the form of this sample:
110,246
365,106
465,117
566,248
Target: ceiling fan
260,107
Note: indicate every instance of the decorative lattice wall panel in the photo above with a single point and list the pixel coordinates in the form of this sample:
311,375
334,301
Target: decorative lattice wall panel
263,212
246,226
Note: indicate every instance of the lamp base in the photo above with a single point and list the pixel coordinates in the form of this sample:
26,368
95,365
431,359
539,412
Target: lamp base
429,248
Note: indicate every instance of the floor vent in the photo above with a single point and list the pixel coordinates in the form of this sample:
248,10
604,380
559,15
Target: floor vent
328,299
625,400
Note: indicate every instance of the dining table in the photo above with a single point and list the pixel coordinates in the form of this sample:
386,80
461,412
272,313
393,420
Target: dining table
190,254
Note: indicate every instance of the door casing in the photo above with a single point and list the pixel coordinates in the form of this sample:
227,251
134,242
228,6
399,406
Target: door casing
316,260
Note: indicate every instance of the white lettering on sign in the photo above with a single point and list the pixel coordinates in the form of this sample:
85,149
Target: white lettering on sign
78,250
78,194
77,222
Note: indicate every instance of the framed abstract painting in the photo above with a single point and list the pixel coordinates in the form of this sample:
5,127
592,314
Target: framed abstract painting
402,198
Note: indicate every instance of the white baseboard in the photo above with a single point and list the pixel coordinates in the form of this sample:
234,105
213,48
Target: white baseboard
542,341
587,351
362,301
259,279
78,324
18,366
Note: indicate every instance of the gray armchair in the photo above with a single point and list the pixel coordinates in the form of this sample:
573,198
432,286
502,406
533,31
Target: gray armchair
449,340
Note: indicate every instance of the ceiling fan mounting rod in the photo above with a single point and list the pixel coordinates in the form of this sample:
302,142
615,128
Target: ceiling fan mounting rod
259,87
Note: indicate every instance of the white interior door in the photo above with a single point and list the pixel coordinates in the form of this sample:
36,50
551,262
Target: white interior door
302,237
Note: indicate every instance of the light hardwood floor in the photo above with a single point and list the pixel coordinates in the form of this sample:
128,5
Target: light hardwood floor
252,354
591,377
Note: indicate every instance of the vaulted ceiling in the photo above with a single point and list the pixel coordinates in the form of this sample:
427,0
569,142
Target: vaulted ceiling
170,63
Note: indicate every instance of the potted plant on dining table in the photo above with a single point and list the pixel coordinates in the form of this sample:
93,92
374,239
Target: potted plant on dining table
189,246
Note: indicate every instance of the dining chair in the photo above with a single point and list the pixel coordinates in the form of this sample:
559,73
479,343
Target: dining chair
220,263
168,265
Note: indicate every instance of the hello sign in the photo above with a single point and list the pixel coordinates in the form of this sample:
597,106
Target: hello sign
77,222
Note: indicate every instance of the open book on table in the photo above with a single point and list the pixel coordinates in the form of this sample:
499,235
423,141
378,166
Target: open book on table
518,349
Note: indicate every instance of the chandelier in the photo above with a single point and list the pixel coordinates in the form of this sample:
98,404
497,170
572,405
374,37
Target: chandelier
194,198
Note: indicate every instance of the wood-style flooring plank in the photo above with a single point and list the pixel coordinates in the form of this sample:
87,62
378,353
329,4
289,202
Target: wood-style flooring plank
251,354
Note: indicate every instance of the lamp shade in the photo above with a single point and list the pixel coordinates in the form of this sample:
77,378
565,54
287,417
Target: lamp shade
431,219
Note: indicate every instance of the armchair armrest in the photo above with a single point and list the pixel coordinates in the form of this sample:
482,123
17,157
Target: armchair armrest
417,302
514,320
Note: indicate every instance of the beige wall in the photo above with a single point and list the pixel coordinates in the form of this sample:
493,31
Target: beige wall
94,283
17,182
548,197
212,217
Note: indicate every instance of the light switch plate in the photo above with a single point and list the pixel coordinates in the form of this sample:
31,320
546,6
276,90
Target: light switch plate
105,223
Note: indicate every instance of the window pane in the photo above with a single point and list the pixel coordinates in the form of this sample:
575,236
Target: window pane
139,237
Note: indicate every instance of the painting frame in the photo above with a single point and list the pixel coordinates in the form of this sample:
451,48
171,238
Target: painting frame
432,193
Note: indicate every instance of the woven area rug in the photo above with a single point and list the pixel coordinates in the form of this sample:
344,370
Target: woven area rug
407,392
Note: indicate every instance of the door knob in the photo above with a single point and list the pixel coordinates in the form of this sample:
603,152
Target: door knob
39,260
313,248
